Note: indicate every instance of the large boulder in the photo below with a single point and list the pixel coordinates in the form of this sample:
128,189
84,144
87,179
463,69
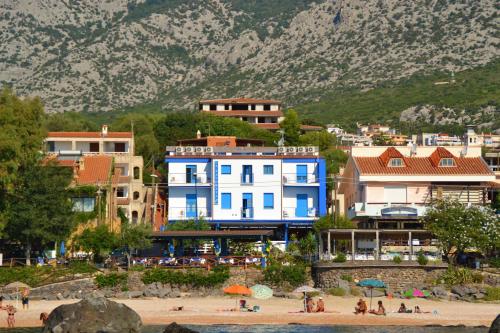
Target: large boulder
459,290
495,325
176,328
94,314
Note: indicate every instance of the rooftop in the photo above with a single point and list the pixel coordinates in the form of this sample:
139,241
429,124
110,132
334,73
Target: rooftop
246,113
240,100
92,135
94,169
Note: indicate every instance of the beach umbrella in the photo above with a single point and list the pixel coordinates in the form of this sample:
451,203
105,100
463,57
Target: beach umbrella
305,290
237,290
62,249
260,291
371,283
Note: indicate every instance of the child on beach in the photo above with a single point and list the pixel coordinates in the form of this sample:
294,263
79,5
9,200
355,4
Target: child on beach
11,320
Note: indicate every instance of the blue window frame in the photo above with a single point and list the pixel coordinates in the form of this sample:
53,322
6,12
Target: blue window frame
268,169
225,199
268,200
225,169
302,173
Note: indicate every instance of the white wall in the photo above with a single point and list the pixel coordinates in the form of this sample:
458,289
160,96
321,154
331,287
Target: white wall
62,146
177,172
290,199
177,201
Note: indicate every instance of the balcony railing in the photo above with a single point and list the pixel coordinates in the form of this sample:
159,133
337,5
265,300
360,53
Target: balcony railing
247,178
293,212
294,179
387,209
187,213
183,179
247,213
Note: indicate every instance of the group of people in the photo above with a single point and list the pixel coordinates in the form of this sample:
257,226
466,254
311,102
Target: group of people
319,306
362,308
11,310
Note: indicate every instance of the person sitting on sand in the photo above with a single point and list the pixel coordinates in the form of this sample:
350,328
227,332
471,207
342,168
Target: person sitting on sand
11,320
309,305
418,310
44,316
380,311
360,307
402,308
320,305
177,308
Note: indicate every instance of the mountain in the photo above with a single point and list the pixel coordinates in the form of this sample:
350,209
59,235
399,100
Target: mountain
99,55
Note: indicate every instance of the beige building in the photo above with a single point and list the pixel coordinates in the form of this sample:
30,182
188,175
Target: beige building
123,182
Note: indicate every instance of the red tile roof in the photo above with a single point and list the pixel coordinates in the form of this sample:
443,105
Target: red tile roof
94,169
245,113
421,165
240,100
438,154
89,135
275,126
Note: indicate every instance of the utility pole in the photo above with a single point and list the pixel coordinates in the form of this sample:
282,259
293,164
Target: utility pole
335,210
155,193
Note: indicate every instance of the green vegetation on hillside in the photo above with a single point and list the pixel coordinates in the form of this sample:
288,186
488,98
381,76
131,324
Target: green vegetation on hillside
473,89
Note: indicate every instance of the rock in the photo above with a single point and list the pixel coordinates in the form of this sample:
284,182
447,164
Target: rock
453,297
135,294
185,294
459,290
495,325
94,314
373,293
175,294
478,296
176,328
162,293
60,296
471,290
439,292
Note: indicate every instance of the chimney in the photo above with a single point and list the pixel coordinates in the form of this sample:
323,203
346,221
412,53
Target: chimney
104,130
198,134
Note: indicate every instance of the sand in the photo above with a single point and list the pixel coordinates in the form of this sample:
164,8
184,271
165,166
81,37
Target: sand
209,310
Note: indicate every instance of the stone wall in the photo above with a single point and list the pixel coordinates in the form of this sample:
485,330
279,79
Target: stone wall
396,277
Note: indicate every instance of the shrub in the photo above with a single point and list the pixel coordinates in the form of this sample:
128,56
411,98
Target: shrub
456,275
346,277
422,259
494,262
137,268
355,291
81,267
111,280
397,259
278,275
492,294
340,258
336,292
194,278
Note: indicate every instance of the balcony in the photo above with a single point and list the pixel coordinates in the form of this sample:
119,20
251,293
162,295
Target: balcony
247,213
183,179
364,209
184,213
246,179
294,213
292,179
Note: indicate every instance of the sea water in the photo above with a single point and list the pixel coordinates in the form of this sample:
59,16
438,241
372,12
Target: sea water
297,329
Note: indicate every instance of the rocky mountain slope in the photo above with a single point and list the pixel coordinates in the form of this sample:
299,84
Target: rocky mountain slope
98,55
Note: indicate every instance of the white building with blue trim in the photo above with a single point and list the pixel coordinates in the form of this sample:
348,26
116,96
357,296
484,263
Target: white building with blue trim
234,187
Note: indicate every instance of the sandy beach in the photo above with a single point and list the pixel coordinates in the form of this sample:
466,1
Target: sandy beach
211,310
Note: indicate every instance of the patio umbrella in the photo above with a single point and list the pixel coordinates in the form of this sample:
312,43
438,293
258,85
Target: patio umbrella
305,290
237,290
371,283
17,285
62,250
260,291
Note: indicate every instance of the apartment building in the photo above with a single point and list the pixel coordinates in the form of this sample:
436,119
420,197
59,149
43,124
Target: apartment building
108,162
240,187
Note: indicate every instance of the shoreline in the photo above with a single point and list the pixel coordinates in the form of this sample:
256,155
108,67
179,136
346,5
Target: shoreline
279,311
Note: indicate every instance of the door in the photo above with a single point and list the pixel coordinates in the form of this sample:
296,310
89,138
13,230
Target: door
247,206
247,175
301,210
301,173
191,204
190,174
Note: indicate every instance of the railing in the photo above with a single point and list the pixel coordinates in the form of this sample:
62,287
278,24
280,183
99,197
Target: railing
291,212
247,178
294,179
247,213
204,261
183,178
379,209
186,213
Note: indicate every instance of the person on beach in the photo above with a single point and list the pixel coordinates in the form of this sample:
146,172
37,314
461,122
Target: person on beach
309,305
44,316
25,298
11,320
402,308
380,311
418,310
360,307
1,303
320,305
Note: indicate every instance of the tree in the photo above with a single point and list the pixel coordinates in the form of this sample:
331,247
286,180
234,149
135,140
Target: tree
307,245
39,211
132,237
321,139
291,126
96,240
328,222
460,227
382,140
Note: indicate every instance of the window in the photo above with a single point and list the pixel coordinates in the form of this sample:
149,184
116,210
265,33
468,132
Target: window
121,192
135,217
225,169
51,146
447,162
396,162
301,173
268,169
267,107
83,204
119,147
213,107
137,173
225,200
136,195
94,147
252,107
268,200
226,107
